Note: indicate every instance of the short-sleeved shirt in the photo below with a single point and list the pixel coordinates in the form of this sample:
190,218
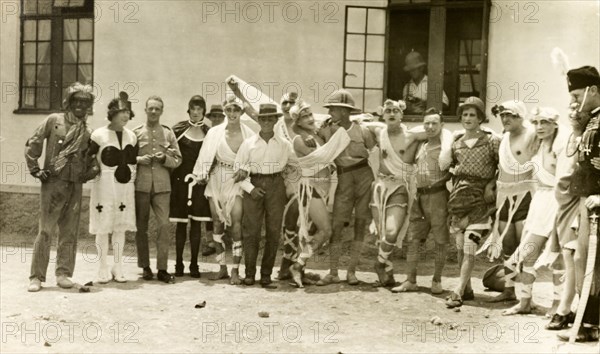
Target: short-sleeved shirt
361,141
480,161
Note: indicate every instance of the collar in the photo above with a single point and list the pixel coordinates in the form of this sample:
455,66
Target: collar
194,124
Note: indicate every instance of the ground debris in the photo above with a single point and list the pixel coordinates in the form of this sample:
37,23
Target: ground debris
200,305
263,314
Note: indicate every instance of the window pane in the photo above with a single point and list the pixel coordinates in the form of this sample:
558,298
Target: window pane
373,99
85,52
29,52
43,75
70,52
29,30
30,7
69,74
28,75
376,21
374,75
355,47
43,52
375,48
44,31
85,74
86,28
43,98
358,97
70,30
45,7
356,20
28,97
354,74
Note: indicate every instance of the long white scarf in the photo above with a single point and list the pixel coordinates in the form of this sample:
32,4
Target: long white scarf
383,190
310,165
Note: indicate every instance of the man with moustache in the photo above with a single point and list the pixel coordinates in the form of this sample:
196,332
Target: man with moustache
584,184
158,154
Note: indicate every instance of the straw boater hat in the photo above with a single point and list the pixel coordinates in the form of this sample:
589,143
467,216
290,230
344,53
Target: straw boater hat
268,110
342,98
215,110
413,60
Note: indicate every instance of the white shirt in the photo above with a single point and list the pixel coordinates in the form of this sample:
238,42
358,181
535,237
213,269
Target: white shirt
420,91
255,155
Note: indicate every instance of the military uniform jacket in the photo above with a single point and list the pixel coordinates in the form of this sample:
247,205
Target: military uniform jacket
156,176
585,180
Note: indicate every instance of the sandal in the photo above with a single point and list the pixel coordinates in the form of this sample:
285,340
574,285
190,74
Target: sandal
454,300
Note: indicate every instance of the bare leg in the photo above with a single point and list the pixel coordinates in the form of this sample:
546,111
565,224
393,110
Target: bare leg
529,250
568,294
394,218
218,231
320,217
510,244
236,234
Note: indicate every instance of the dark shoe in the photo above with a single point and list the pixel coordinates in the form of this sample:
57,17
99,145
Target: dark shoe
284,270
194,272
208,250
179,270
585,334
165,277
249,281
470,295
559,322
147,275
265,282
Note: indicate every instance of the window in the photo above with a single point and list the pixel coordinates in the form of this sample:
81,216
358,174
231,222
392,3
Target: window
450,37
364,55
57,49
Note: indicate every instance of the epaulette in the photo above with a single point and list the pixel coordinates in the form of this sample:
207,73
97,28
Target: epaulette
166,127
138,127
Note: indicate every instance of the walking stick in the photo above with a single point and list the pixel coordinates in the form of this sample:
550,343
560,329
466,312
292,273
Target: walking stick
190,186
588,275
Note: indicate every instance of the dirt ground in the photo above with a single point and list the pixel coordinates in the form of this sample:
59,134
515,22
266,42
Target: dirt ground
149,316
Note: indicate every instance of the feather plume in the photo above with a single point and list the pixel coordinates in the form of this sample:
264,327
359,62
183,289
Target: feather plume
560,61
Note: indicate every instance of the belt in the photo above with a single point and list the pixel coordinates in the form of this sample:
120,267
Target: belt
341,169
277,174
431,190
223,163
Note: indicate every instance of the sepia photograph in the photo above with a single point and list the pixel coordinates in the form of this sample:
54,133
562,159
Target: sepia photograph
299,176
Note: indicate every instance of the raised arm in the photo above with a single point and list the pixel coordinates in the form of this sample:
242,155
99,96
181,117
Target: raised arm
248,108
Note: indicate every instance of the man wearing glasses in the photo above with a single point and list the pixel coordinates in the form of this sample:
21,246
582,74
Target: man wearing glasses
66,167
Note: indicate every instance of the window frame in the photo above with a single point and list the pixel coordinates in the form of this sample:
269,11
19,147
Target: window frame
439,9
56,16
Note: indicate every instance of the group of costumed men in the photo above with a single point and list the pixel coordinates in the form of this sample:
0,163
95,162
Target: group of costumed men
532,194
